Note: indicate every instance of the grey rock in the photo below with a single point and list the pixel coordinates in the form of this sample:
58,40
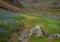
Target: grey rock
37,31
24,34
57,35
51,37
24,40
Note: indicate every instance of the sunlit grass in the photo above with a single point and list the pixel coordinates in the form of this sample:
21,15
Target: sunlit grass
49,25
37,39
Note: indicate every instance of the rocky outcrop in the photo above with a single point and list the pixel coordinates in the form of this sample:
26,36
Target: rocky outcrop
36,31
38,4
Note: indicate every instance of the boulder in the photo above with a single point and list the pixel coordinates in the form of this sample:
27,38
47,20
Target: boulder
24,34
51,37
37,31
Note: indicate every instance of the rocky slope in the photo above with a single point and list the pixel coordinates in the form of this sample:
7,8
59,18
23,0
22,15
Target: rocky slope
40,4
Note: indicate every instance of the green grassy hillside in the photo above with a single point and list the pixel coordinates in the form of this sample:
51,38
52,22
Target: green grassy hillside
50,26
10,22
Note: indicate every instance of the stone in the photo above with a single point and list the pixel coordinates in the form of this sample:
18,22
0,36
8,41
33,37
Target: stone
51,37
24,40
24,34
37,31
57,35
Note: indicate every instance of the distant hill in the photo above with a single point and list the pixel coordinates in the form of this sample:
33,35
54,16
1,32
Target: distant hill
40,4
36,4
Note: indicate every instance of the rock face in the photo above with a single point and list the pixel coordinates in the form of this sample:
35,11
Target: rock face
31,4
37,31
56,3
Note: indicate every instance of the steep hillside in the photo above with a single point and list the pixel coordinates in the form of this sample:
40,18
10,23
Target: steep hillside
39,4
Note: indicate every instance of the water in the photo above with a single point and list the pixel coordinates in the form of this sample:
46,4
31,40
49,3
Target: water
53,16
47,16
4,16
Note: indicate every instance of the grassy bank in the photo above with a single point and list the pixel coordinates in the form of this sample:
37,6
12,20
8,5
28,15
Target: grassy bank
12,21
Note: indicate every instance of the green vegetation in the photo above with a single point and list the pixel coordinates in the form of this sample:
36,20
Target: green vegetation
42,39
9,24
38,39
13,24
50,26
30,15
